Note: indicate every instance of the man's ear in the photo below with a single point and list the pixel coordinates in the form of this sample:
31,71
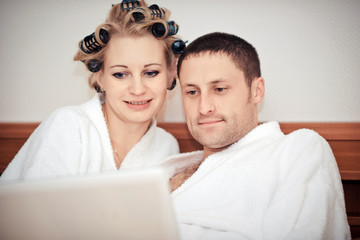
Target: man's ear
258,89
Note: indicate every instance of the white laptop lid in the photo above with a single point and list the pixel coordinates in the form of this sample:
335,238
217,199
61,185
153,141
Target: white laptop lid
128,205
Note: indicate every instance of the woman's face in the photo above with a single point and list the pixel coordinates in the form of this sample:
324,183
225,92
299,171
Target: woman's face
135,77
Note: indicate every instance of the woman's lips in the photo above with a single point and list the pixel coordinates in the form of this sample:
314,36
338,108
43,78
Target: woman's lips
138,102
138,105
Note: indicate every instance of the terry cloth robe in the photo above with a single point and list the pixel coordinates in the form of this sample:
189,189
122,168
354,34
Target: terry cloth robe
265,186
74,141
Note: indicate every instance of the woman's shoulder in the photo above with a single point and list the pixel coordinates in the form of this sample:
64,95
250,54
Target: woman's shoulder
74,113
163,134
64,115
166,140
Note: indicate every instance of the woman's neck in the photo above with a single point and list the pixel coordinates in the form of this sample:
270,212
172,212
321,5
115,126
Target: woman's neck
123,135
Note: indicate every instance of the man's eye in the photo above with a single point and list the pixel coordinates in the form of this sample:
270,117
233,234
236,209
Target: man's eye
192,92
151,73
220,89
119,75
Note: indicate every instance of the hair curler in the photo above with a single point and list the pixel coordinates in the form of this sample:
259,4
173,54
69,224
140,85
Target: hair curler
152,12
178,46
95,41
164,29
94,65
128,5
156,12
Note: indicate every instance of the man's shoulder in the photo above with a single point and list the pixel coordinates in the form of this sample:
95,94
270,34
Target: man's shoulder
305,135
306,142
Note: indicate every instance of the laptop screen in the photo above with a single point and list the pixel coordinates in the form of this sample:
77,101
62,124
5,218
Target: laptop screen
132,204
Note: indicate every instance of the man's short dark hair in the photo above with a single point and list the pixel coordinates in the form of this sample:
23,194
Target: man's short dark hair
243,53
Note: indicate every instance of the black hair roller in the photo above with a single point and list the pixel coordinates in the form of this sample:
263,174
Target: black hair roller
94,42
164,29
178,46
140,14
94,65
156,12
173,28
128,5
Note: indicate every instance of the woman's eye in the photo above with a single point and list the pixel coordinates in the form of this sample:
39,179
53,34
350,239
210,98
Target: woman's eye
151,73
119,75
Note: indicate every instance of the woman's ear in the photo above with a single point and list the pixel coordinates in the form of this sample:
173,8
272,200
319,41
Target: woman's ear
171,74
99,78
173,70
258,89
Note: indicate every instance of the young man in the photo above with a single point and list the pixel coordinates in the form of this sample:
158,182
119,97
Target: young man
250,181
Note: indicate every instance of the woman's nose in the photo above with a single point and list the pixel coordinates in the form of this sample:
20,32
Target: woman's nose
137,87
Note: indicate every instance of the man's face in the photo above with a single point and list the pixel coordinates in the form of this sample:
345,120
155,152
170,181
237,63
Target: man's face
219,106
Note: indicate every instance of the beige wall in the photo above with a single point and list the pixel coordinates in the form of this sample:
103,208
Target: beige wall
309,53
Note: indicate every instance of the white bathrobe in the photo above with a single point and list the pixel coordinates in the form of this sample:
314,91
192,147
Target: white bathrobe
265,186
74,141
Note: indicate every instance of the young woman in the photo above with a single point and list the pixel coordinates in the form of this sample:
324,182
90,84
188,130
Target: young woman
132,57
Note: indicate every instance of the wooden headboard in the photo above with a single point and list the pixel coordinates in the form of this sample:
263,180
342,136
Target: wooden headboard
344,139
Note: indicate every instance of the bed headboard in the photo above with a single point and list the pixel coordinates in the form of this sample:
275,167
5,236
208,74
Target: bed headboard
344,139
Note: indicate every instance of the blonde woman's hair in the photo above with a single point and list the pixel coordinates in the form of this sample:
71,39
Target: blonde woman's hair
135,22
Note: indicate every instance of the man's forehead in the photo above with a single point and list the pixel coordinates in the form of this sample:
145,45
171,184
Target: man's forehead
210,69
207,61
205,54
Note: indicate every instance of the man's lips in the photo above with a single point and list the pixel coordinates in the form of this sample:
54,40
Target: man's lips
210,122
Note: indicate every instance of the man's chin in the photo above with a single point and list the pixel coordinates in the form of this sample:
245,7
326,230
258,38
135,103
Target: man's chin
213,143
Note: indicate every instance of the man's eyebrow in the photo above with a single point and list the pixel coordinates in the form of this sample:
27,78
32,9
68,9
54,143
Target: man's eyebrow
189,85
150,64
216,81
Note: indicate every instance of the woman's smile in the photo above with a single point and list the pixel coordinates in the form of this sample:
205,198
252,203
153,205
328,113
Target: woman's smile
138,105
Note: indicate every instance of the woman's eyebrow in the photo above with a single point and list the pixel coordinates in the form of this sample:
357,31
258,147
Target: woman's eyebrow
124,66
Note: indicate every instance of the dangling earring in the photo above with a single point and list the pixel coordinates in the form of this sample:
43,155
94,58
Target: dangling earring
173,84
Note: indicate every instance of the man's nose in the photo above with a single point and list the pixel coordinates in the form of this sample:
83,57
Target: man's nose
206,104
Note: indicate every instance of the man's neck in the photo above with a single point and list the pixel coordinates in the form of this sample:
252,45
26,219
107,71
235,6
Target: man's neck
212,150
209,151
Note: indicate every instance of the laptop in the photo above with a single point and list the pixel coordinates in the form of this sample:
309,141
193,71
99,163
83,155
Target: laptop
132,204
